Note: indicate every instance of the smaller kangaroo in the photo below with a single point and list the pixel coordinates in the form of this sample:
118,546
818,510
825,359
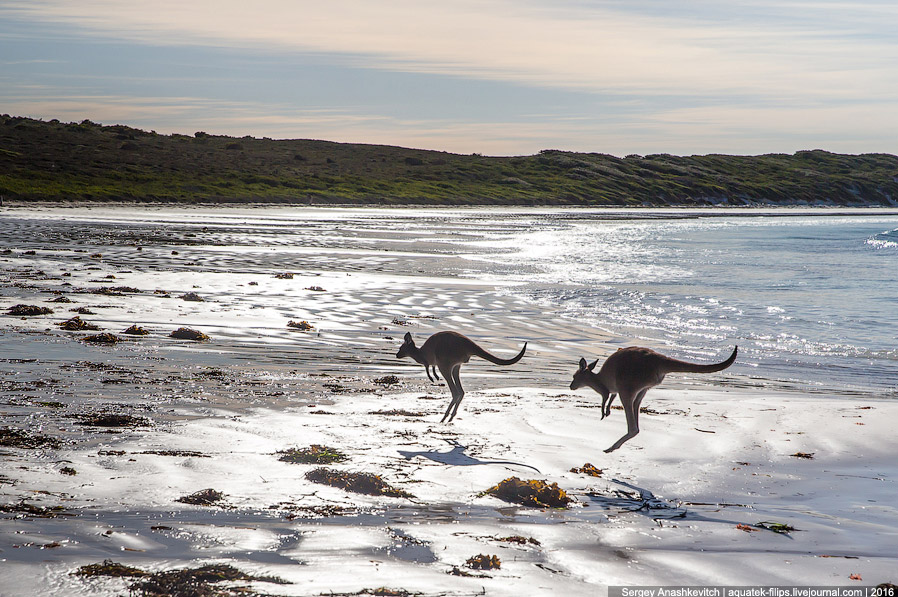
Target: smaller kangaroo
448,351
631,372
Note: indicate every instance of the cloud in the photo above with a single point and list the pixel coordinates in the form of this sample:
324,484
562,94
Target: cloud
586,46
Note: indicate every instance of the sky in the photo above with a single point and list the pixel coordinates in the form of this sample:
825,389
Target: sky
497,77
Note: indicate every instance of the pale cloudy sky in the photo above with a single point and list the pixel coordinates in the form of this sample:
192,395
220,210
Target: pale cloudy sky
499,77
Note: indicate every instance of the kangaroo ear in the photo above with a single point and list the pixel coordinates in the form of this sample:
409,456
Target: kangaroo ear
408,336
593,364
582,364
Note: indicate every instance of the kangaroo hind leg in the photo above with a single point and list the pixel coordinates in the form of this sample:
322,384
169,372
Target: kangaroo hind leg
461,391
631,409
450,381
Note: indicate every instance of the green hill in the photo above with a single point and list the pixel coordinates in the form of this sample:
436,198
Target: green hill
55,161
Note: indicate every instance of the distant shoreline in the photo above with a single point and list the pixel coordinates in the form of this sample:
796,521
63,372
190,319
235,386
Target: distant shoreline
48,161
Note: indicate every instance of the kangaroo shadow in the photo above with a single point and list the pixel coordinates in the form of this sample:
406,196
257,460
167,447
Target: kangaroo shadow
457,457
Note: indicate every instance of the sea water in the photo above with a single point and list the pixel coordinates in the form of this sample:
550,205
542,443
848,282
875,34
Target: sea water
809,296
811,299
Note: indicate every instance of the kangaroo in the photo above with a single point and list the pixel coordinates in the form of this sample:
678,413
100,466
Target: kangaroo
447,351
630,372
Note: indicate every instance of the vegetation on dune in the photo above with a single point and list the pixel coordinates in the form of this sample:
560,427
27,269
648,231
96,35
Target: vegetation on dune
57,161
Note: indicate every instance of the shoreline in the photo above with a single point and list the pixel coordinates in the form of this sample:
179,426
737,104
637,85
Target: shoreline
666,509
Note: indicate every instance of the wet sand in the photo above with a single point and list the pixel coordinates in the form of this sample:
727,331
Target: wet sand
679,504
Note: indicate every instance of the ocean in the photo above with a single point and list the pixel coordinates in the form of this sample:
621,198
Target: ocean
809,296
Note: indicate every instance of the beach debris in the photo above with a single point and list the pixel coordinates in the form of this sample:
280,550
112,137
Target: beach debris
96,255
61,299
110,568
28,310
387,380
484,562
67,470
314,454
17,438
534,493
83,311
397,321
587,469
23,509
181,453
746,528
186,582
253,283
104,338
284,276
50,404
855,577
518,539
135,330
396,412
76,324
108,419
197,582
807,455
364,483
189,334
776,527
116,290
192,296
203,497
300,325
316,289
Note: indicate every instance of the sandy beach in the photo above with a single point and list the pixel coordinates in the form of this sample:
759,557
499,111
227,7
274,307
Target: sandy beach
730,482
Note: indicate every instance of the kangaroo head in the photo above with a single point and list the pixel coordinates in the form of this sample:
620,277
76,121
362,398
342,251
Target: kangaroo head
407,346
585,377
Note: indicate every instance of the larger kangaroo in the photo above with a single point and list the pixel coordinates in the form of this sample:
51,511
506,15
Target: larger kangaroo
448,351
631,372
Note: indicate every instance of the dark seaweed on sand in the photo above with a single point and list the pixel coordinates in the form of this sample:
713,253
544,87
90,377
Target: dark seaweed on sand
104,338
204,497
110,568
530,493
28,310
112,420
76,324
314,454
135,330
17,438
25,509
364,483
188,334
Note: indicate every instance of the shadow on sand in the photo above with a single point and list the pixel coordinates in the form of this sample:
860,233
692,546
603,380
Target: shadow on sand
457,457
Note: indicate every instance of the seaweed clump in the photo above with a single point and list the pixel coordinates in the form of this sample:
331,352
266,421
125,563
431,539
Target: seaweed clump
587,469
189,334
76,324
484,562
314,454
16,438
113,420
196,582
303,326
204,497
187,582
530,493
28,310
135,330
104,338
110,568
365,483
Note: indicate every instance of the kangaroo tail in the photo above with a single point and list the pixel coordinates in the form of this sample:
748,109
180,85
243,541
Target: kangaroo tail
494,359
677,366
